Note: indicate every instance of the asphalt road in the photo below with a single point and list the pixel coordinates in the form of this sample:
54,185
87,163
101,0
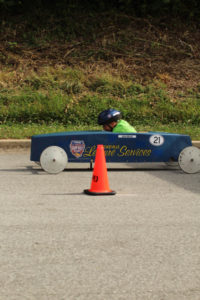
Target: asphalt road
58,243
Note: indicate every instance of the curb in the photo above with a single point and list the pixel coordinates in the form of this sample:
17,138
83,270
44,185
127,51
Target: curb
196,144
13,144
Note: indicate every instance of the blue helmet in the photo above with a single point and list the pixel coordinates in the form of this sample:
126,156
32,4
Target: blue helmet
109,115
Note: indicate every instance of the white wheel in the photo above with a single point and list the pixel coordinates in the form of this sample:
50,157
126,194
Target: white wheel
189,159
53,159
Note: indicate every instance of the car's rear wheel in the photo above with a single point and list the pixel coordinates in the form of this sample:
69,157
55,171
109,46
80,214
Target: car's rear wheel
53,159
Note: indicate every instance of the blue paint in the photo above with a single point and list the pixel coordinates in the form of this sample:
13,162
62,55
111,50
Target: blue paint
119,147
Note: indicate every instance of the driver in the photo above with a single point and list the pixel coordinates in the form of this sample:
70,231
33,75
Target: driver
111,120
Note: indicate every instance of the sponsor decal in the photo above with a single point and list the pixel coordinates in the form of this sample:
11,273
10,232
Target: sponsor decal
118,151
77,148
95,178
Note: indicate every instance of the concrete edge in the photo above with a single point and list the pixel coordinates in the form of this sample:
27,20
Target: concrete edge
196,144
13,144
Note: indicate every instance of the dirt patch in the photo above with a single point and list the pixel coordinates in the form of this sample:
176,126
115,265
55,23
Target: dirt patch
137,49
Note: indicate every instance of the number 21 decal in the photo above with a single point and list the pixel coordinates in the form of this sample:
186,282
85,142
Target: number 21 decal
156,140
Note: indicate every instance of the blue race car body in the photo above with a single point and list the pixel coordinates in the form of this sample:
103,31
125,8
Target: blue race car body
80,146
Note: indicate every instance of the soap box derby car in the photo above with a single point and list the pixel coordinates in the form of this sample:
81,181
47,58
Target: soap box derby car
54,150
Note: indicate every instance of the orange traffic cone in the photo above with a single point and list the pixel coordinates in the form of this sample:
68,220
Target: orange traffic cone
100,185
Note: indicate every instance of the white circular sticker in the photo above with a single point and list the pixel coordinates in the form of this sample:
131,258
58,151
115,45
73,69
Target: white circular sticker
156,140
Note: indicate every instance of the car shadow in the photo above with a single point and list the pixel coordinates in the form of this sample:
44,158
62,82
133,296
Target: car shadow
186,181
173,175
25,169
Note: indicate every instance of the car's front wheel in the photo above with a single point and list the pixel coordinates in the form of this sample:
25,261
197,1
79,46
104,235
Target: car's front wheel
53,159
189,160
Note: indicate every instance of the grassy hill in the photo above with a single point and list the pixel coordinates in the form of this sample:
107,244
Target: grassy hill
58,74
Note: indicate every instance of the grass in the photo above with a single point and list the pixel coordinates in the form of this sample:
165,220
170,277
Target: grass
58,73
24,131
61,98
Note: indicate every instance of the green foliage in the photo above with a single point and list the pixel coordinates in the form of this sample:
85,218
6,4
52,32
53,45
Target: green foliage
139,105
68,97
67,80
31,107
21,131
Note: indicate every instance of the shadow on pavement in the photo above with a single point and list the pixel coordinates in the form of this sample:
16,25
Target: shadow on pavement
173,175
189,182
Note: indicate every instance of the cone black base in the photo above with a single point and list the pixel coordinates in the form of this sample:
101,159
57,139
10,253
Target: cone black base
88,192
